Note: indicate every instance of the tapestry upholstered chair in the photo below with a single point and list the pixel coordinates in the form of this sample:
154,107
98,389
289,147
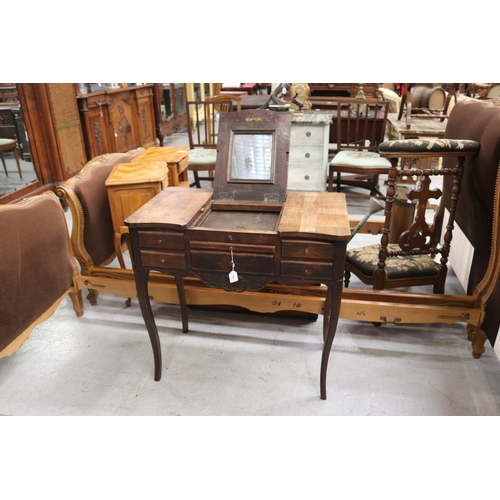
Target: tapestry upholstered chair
37,267
202,126
360,128
410,260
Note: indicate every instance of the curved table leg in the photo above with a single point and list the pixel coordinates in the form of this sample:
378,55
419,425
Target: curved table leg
117,242
182,302
141,279
332,310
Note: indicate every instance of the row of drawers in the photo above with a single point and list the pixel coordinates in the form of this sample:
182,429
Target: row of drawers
299,258
308,157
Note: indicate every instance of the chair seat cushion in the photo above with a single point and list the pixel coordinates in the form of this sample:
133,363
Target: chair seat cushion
201,156
6,143
365,259
360,159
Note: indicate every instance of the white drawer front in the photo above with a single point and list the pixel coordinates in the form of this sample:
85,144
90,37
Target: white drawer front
309,155
304,179
307,134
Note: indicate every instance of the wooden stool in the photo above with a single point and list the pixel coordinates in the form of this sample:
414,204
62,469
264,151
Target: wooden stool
8,145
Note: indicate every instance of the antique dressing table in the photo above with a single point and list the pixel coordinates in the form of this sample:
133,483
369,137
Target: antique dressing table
248,232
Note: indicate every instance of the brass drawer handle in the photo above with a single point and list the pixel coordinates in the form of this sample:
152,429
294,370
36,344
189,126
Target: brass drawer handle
160,242
306,250
163,261
307,272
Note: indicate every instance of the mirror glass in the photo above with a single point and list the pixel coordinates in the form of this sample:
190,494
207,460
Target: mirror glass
251,157
16,170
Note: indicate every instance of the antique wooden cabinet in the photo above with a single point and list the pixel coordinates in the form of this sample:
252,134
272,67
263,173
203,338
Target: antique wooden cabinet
117,120
308,161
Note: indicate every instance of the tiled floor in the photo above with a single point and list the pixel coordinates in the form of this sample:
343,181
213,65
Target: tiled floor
243,364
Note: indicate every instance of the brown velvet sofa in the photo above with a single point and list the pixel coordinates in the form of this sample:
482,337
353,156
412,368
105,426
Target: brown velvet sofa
37,267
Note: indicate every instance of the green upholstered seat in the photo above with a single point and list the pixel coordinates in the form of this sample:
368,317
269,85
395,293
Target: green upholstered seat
368,159
202,156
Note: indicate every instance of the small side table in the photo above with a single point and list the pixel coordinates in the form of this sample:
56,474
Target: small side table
130,186
176,159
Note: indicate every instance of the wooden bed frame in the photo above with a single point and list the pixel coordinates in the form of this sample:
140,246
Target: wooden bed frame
391,307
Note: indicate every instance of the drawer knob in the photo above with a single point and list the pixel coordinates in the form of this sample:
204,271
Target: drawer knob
163,261
230,237
306,250
306,177
307,155
306,271
308,134
160,241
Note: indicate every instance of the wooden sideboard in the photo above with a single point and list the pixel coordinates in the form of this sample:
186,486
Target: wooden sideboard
329,90
117,120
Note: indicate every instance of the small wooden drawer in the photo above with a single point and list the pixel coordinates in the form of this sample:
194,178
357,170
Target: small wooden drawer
144,92
93,101
306,134
163,260
161,239
183,164
250,263
307,250
306,270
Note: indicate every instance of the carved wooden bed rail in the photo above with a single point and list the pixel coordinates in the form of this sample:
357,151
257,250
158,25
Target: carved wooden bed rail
369,305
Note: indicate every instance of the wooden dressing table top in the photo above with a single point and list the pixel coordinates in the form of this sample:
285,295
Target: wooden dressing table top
303,214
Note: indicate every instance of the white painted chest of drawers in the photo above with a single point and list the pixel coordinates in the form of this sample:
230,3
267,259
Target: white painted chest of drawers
308,157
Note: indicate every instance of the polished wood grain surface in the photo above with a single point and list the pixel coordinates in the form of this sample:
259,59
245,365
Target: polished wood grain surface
174,208
176,159
419,127
313,213
137,173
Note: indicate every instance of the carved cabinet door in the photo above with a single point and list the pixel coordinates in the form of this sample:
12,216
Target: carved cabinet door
121,109
97,131
146,117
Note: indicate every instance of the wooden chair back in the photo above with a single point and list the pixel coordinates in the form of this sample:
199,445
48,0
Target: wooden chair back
382,265
360,125
203,121
225,97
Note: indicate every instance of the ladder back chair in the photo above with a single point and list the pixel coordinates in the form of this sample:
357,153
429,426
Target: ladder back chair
202,125
360,128
411,261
